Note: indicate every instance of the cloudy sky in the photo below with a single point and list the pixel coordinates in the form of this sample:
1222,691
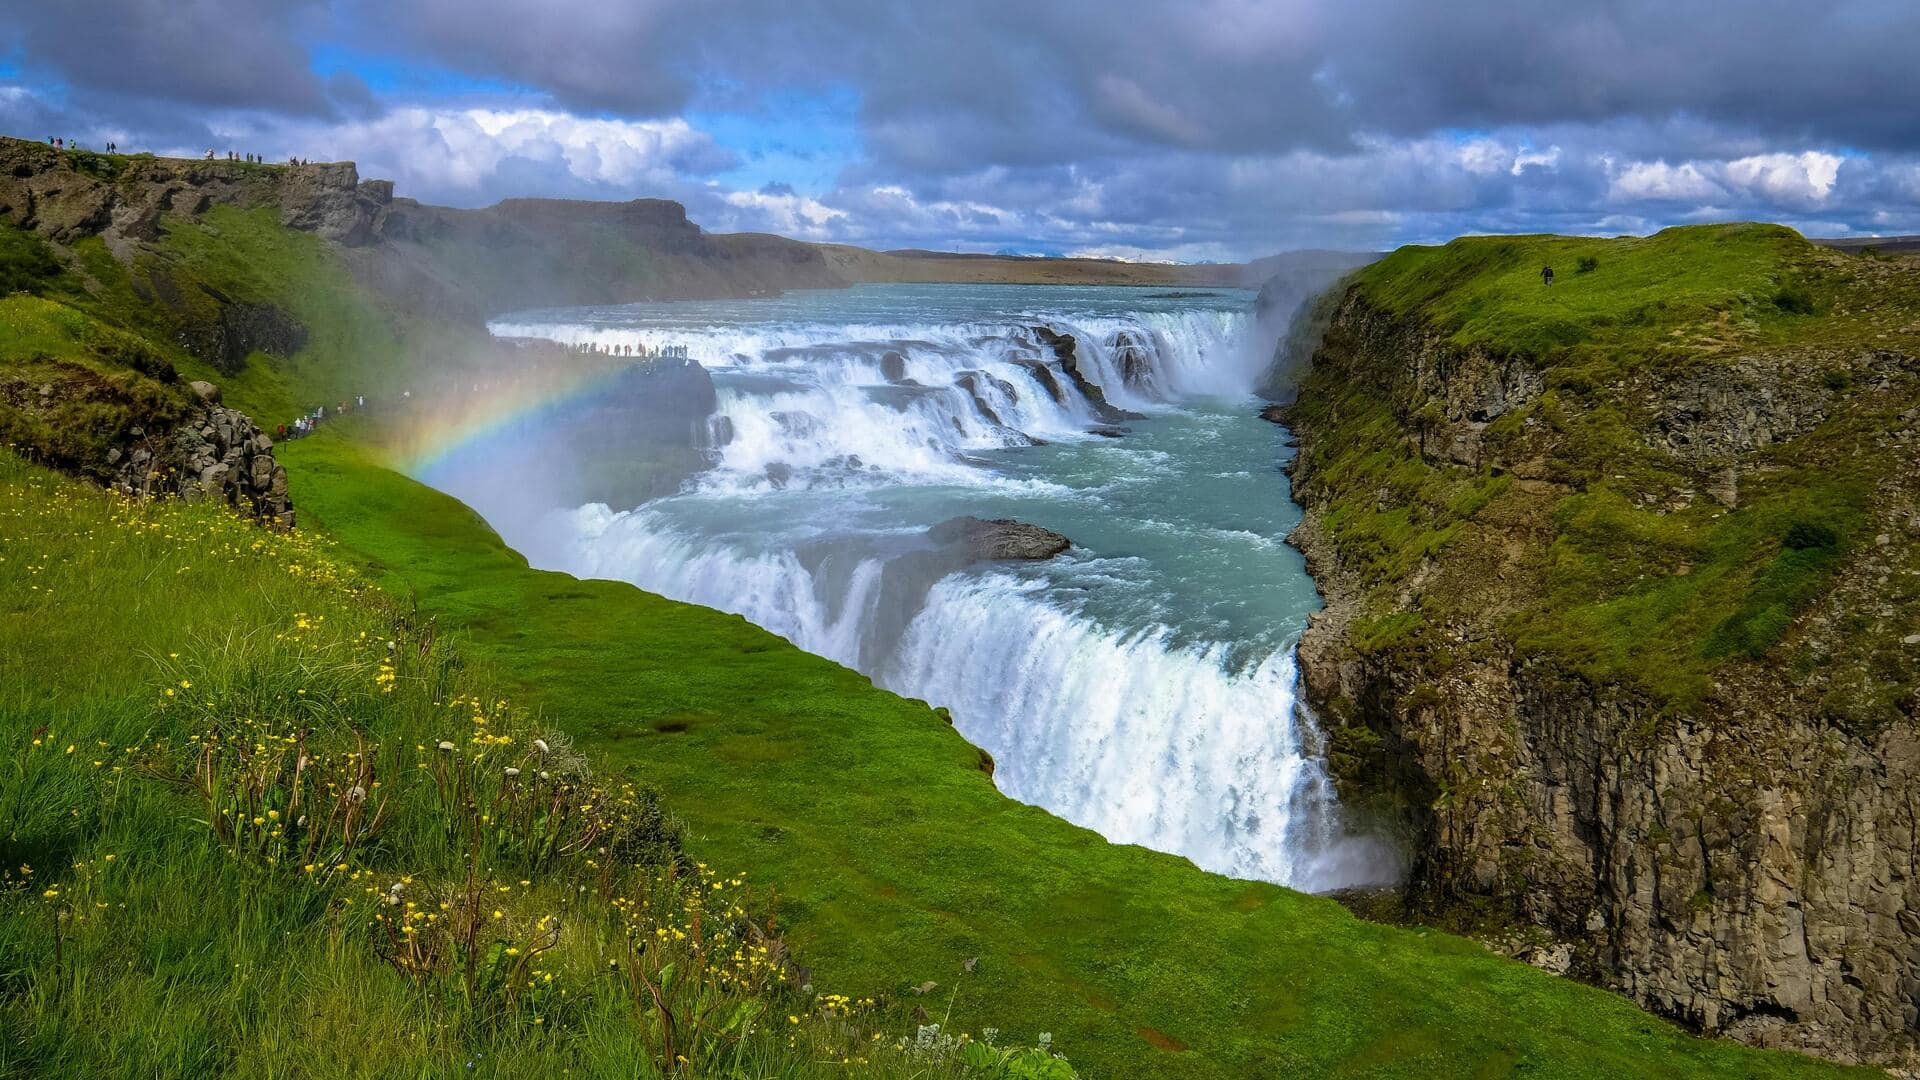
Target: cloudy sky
1136,128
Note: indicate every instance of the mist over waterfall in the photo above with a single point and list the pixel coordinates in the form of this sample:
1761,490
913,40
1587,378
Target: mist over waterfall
1142,683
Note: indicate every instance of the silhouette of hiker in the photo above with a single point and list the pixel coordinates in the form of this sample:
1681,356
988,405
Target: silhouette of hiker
1546,275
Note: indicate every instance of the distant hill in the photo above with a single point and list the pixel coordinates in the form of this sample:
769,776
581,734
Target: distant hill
1887,244
862,265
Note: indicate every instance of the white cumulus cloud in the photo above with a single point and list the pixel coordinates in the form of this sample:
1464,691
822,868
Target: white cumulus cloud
786,213
1804,177
468,156
1657,180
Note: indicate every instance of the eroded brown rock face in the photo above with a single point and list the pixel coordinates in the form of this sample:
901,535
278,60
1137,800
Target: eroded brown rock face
1066,350
56,195
1753,876
1746,864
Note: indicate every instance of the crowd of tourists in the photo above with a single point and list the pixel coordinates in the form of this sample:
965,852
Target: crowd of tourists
645,352
256,159
62,143
308,422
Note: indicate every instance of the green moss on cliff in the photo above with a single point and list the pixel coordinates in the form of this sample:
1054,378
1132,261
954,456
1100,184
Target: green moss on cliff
1658,298
165,307
71,385
1617,553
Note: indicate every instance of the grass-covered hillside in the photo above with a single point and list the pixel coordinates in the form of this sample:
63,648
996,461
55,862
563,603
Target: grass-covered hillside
216,896
1649,469
258,820
115,342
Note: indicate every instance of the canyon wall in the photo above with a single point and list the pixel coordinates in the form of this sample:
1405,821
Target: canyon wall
1736,848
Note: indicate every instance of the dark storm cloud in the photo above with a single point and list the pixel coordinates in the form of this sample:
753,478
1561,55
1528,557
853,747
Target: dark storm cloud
1837,71
1011,81
1210,128
630,57
949,86
236,54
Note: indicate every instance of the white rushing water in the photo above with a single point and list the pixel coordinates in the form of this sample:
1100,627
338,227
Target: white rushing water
1143,684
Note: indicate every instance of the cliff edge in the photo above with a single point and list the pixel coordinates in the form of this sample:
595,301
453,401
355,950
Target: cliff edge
1623,611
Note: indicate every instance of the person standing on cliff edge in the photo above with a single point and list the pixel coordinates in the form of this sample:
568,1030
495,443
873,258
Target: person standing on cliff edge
1546,275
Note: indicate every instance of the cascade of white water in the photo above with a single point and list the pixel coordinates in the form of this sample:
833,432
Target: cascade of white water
1144,734
1070,706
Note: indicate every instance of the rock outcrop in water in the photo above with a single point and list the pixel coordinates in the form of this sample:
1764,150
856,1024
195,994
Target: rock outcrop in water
1066,350
1724,830
999,538
1133,354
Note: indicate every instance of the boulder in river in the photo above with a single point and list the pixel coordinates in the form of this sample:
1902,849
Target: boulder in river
999,538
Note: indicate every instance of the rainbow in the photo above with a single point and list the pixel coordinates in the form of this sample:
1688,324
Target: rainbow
435,428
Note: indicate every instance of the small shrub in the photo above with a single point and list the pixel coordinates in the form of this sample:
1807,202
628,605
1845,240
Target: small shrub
1587,265
1810,536
1835,379
1794,300
27,264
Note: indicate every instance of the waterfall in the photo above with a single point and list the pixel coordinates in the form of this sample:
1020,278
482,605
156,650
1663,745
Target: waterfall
836,442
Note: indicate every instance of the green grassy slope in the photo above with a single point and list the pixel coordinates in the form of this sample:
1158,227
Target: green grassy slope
896,860
114,318
1486,290
166,667
1638,577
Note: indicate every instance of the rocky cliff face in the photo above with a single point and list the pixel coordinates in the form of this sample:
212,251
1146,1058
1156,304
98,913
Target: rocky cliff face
1743,858
67,197
215,454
